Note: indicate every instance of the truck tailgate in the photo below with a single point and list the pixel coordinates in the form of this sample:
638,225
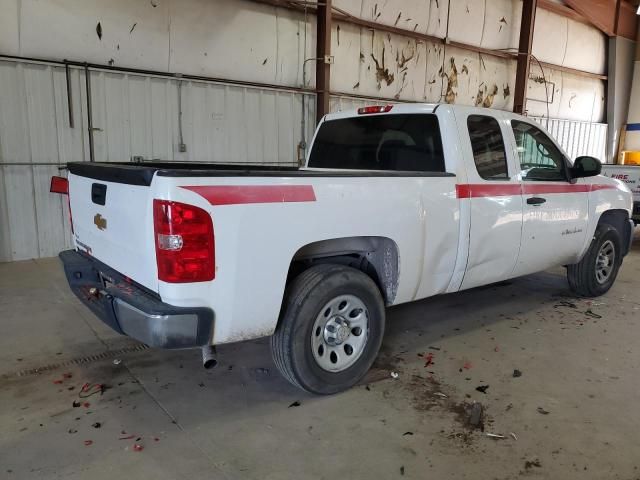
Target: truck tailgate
113,222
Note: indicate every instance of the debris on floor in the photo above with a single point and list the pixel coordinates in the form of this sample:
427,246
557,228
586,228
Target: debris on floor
428,360
88,443
565,303
475,415
295,404
529,464
97,425
137,447
407,433
495,436
117,361
543,411
89,389
517,373
591,314
394,375
482,388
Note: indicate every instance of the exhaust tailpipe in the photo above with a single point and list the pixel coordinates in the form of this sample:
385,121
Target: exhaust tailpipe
209,354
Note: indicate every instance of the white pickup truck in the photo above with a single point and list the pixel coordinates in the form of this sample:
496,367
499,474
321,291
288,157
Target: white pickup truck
630,175
396,203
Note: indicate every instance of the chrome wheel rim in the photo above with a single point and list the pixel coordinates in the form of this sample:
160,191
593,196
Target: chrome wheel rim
340,333
605,261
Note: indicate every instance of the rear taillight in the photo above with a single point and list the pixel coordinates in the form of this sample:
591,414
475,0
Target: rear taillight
61,185
375,109
184,240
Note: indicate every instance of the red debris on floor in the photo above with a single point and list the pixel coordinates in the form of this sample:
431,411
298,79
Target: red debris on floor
89,389
428,360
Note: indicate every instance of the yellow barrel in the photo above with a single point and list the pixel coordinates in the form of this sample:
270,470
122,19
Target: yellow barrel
630,158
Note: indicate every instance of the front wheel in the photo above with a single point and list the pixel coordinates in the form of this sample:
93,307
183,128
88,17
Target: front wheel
595,273
330,330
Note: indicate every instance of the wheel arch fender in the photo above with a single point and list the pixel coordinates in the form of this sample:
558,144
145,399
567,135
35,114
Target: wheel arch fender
376,256
617,218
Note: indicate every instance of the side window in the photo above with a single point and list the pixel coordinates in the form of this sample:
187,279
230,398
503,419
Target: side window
488,147
539,158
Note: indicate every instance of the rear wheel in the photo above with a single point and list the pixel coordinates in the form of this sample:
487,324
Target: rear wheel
331,328
596,272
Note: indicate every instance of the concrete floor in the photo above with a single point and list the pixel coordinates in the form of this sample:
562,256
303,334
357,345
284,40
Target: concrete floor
237,421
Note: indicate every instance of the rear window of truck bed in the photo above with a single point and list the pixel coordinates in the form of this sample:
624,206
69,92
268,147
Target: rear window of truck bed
401,142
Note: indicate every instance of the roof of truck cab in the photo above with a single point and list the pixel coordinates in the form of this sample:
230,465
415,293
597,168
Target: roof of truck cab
419,108
397,108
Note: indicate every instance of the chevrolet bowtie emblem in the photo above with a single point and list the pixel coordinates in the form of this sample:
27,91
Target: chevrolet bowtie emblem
100,222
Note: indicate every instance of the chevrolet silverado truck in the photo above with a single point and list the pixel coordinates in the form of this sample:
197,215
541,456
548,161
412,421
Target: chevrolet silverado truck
630,175
395,203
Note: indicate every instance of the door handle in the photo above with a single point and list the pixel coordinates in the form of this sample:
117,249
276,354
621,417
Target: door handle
536,200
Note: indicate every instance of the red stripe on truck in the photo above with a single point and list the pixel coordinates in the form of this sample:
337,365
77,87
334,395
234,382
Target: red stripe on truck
476,190
473,190
244,194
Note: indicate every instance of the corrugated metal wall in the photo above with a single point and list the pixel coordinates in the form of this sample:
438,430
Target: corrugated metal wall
578,138
374,63
137,116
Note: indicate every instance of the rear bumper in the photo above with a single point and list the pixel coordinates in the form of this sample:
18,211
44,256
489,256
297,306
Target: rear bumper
132,311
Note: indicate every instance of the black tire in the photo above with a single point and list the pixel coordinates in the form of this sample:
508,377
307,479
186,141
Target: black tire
582,276
305,297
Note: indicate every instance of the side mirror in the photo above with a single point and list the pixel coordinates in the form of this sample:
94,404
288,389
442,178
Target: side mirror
586,166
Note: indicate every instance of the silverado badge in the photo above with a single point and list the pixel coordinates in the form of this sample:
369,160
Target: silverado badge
100,222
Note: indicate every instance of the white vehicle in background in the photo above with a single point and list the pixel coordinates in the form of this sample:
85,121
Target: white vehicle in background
396,203
630,175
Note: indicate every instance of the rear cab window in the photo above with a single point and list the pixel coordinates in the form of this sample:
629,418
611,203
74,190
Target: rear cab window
398,142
